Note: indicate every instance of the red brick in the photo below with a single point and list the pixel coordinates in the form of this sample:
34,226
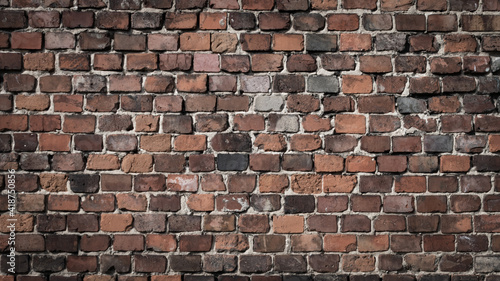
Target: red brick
391,163
390,223
258,5
410,64
26,40
366,203
274,21
441,23
142,62
343,22
68,203
82,263
288,224
14,122
11,61
179,21
112,20
55,142
195,41
44,19
423,42
94,41
350,124
446,65
328,163
161,243
411,184
301,63
456,223
339,243
273,183
39,61
398,204
424,85
255,42
306,183
124,83
14,19
76,19
33,102
360,164
212,21
355,42
376,143
410,22
93,243
337,62
108,61
373,243
129,42
339,183
357,84
375,64
264,162
168,103
459,43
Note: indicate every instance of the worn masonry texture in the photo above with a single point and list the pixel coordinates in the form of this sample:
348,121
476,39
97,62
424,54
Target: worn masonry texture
251,140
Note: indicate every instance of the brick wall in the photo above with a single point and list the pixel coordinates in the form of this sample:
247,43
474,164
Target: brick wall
263,140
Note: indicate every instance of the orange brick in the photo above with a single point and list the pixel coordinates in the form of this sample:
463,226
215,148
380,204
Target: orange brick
494,141
339,243
357,84
350,124
195,41
299,142
116,222
201,202
373,243
360,164
454,163
339,183
355,42
288,42
155,143
54,142
288,224
103,162
192,83
190,143
213,20
33,102
273,183
137,163
328,163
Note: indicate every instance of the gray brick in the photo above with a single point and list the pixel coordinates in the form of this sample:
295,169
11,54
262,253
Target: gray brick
232,162
391,42
283,123
438,143
321,42
411,105
495,64
255,84
323,84
269,103
487,264
330,277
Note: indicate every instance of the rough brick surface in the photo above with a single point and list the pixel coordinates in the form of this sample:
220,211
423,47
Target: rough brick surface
262,140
